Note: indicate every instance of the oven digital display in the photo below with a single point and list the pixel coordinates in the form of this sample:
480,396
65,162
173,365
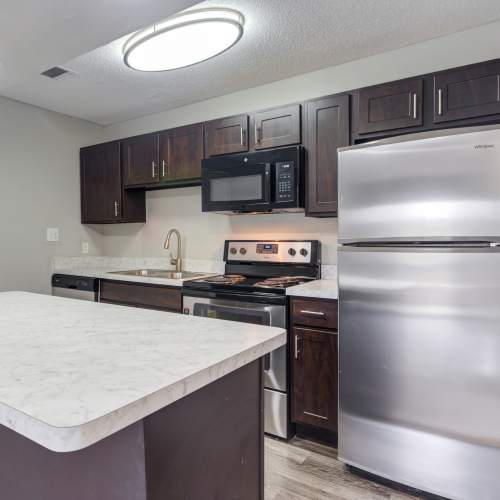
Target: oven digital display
267,248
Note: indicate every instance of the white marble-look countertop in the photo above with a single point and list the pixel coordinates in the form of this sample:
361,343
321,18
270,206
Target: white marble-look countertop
109,274
320,289
74,372
105,267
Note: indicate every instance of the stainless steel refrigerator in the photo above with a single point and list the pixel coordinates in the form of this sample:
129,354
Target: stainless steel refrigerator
419,298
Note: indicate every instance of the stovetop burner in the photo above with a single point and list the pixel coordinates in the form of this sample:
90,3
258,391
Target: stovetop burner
229,279
282,281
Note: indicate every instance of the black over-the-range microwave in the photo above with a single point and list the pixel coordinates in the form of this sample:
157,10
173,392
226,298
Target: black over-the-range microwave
266,181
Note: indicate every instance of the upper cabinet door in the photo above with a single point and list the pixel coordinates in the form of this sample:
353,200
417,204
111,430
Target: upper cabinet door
467,93
390,106
181,152
276,127
140,160
227,135
327,130
101,187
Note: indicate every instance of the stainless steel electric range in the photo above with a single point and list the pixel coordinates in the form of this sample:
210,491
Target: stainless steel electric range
253,290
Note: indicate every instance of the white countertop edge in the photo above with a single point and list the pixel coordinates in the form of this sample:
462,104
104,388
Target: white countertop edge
319,289
71,439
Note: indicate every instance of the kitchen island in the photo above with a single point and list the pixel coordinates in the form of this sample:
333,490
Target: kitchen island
103,402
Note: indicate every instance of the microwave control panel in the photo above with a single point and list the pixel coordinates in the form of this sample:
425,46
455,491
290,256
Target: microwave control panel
285,181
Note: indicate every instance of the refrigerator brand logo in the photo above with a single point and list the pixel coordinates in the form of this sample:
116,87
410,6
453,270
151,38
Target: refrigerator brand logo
484,146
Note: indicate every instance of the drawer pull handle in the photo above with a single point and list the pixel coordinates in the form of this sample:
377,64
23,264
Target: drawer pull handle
314,415
319,314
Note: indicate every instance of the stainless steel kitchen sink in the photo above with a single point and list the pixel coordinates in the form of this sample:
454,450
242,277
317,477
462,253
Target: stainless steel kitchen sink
160,273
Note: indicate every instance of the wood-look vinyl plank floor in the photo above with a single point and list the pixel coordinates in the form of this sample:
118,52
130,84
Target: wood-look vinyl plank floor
303,470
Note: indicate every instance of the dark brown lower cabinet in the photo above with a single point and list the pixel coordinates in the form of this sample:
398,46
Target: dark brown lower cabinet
315,374
141,295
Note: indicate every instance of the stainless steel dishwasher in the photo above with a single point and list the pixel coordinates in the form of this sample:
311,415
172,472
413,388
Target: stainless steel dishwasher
75,287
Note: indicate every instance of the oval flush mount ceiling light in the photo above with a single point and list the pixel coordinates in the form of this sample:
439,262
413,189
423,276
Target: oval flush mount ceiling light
185,39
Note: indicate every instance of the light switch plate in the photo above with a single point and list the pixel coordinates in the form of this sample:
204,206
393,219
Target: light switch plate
85,247
53,234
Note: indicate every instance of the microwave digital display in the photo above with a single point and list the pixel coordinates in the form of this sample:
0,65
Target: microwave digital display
267,248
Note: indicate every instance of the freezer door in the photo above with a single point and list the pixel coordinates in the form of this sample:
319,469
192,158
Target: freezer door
425,187
420,367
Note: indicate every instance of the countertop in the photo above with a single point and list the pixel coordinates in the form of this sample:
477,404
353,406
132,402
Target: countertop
74,372
108,274
320,289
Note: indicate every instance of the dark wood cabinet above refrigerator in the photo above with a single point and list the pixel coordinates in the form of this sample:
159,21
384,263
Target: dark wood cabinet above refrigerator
390,106
465,93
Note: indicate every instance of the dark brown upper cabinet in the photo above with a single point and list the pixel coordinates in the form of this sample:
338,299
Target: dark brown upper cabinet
140,160
276,127
327,129
470,92
181,152
390,106
226,135
103,199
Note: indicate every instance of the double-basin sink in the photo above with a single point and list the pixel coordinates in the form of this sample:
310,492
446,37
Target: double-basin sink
160,273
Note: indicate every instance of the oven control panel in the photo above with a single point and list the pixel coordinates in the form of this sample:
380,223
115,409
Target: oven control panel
296,252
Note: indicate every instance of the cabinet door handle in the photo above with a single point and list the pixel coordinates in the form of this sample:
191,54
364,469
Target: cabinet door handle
117,205
257,134
241,137
296,350
440,102
319,314
163,168
415,105
153,169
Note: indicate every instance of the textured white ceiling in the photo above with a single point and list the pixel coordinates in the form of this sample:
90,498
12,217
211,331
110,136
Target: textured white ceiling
282,38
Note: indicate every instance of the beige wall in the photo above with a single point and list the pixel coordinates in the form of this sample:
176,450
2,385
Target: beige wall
39,188
204,233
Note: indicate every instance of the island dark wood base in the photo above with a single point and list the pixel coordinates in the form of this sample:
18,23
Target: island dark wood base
206,446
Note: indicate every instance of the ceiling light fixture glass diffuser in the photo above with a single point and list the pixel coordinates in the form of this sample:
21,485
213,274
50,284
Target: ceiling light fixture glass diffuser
183,40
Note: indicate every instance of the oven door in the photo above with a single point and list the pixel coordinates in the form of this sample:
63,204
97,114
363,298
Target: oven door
247,312
231,185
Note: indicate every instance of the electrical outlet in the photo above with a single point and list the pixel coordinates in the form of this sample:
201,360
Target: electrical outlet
85,247
53,234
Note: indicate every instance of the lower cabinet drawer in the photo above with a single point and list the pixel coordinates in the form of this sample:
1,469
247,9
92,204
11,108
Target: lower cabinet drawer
141,295
320,313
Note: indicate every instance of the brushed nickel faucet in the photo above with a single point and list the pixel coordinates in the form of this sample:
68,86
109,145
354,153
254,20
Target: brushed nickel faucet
178,261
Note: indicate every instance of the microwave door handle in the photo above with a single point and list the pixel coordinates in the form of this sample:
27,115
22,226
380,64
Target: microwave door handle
267,185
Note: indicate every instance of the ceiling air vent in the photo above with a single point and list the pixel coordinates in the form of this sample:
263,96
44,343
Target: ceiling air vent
55,72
